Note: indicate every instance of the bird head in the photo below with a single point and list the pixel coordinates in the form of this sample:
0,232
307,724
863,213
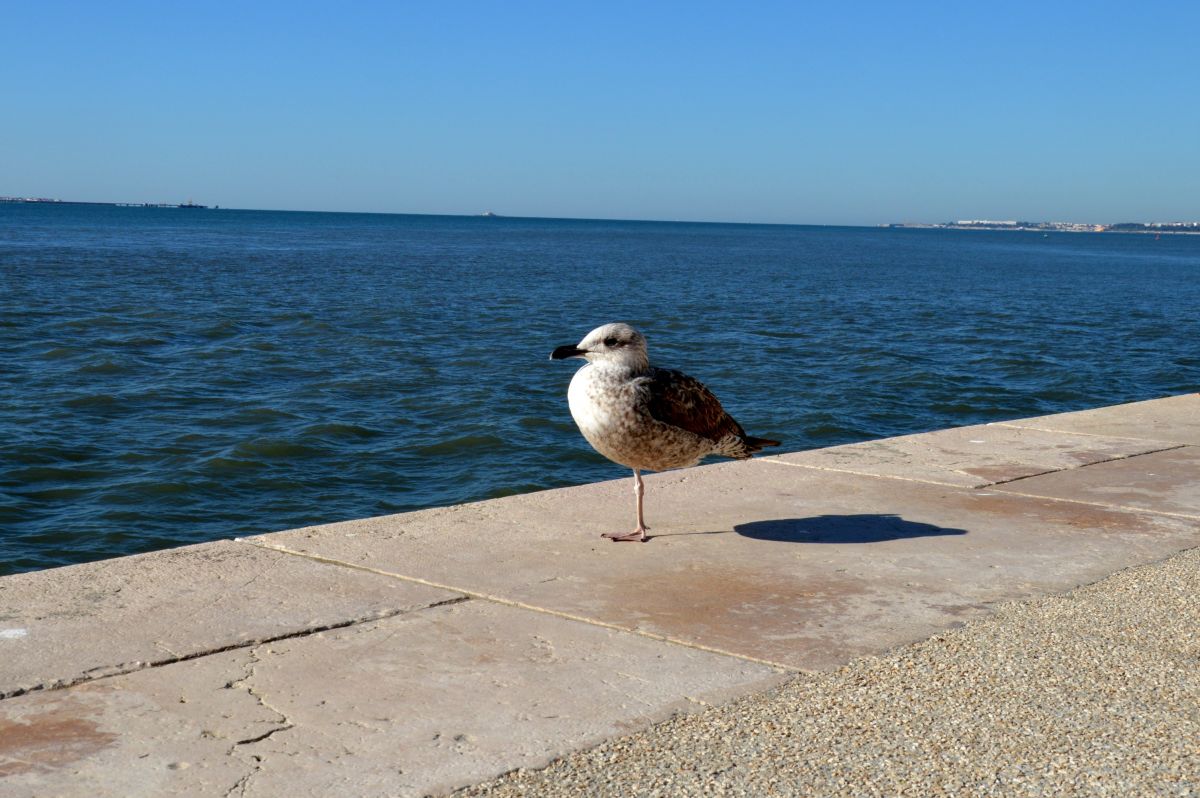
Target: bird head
616,344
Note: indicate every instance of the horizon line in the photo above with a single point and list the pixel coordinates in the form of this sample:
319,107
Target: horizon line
28,200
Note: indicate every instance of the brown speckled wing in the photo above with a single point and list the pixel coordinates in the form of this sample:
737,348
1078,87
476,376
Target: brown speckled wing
673,397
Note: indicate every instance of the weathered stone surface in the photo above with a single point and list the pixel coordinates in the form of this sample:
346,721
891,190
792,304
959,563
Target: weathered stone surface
788,565
1166,482
173,730
971,457
66,624
1175,419
415,703
414,688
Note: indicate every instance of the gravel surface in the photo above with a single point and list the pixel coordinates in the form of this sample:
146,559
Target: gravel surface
1096,693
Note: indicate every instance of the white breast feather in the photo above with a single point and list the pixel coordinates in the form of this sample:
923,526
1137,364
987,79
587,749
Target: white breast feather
592,417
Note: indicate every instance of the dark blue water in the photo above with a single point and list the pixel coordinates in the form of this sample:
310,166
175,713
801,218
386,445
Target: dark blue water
173,376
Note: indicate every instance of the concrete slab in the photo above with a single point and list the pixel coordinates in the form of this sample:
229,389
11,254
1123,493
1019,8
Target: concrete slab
63,625
971,457
793,566
1174,418
1167,482
1088,695
416,703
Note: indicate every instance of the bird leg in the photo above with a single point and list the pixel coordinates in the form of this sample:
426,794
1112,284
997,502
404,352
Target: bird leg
638,534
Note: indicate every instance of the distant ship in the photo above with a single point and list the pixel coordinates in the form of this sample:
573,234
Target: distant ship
190,204
490,215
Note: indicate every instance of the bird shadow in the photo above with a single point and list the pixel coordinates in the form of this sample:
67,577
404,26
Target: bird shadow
867,528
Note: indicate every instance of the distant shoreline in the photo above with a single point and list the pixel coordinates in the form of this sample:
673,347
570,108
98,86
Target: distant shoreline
48,201
1173,228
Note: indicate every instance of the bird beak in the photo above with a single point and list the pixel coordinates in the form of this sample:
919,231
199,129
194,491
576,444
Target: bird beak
564,352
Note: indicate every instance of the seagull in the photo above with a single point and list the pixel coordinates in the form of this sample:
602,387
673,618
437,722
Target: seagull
644,417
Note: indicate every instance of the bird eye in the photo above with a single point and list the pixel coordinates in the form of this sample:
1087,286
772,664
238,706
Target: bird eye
610,341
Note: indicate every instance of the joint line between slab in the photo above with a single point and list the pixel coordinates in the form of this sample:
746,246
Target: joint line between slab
523,606
1013,425
864,474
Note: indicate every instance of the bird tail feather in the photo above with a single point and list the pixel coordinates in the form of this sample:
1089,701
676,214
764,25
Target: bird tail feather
757,444
742,446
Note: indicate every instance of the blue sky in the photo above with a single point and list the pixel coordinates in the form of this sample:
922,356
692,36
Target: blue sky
852,113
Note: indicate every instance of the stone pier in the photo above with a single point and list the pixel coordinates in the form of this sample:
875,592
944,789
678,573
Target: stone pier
424,652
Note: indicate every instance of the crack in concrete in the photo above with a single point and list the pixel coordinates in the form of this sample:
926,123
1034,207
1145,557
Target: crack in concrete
265,735
254,761
240,785
244,683
108,671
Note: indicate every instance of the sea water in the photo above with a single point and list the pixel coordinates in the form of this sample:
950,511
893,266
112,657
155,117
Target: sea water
170,376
